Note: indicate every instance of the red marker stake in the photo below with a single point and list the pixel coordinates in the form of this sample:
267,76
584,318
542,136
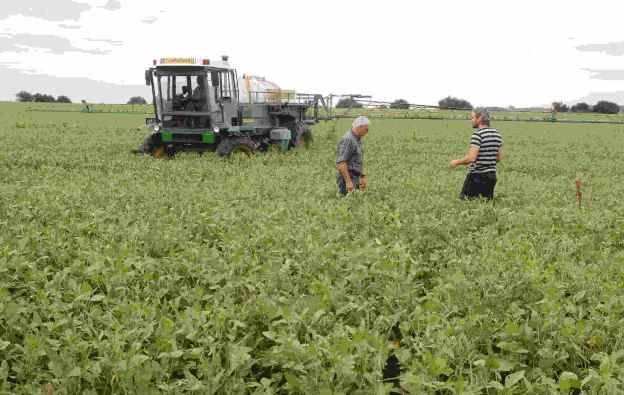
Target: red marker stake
579,194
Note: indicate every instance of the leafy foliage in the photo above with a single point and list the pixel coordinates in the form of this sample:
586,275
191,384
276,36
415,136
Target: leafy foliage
581,107
23,96
137,100
63,99
560,107
453,102
43,98
400,104
348,103
126,274
606,107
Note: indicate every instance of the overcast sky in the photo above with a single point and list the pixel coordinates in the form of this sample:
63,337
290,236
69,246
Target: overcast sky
520,53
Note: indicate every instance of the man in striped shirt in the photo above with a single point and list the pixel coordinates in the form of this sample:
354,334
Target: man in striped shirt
484,152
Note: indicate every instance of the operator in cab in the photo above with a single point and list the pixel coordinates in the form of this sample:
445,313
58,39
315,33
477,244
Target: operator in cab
182,99
199,93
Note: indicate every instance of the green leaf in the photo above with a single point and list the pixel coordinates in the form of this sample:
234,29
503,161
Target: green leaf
568,381
506,366
4,371
513,379
511,347
138,359
479,362
239,355
500,365
437,366
75,372
97,298
4,344
292,380
591,376
496,385
196,352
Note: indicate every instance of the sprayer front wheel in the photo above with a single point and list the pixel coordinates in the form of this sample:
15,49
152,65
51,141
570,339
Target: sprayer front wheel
231,146
159,152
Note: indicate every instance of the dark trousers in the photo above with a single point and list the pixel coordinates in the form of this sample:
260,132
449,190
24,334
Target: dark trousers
342,185
479,185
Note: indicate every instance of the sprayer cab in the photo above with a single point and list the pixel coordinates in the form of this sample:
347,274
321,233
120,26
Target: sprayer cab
194,93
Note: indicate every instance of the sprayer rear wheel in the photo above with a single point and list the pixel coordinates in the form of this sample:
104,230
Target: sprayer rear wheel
301,134
307,137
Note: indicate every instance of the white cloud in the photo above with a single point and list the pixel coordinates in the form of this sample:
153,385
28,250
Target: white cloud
149,20
23,42
613,49
60,10
617,75
112,5
491,53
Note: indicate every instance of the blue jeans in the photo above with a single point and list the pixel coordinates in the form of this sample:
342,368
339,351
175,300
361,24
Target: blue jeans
342,185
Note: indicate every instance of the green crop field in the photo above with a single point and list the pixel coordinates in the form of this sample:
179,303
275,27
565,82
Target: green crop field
123,274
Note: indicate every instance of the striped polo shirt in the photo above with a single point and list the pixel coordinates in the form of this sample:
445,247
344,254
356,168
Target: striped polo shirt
489,142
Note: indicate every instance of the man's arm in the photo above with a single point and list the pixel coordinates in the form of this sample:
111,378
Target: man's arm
344,172
344,154
470,157
499,155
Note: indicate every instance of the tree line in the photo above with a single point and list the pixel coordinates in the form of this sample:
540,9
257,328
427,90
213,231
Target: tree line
450,102
25,97
602,107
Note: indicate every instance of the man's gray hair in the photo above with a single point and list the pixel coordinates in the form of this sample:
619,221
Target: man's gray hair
360,121
483,114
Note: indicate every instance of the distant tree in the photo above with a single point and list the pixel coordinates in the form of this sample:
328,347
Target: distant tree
43,98
63,99
348,102
560,107
400,104
137,100
453,102
383,107
24,96
606,107
581,107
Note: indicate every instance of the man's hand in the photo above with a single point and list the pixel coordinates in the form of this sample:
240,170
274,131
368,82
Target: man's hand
350,186
363,183
473,153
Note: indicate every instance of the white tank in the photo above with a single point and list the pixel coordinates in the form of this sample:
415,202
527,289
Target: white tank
253,89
